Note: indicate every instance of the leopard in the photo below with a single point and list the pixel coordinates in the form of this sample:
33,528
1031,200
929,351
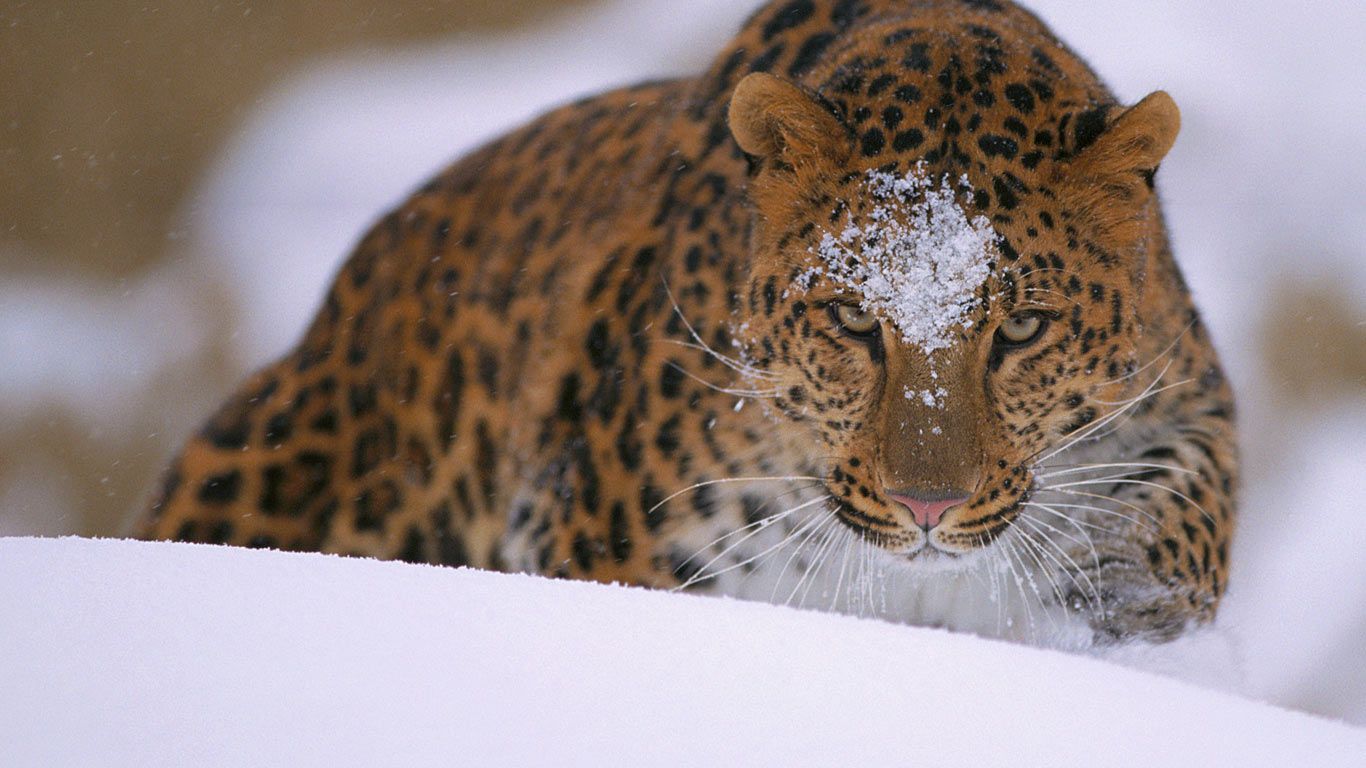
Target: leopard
877,314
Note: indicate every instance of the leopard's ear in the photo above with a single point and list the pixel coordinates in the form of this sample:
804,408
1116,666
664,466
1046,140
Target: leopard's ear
1111,177
777,120
1136,141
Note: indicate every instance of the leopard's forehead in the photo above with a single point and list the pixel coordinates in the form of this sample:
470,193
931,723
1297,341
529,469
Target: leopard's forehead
907,249
976,102
986,95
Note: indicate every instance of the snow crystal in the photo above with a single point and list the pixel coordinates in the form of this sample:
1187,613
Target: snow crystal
932,398
915,258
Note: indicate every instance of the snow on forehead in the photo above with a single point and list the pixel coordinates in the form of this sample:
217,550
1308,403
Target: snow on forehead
913,255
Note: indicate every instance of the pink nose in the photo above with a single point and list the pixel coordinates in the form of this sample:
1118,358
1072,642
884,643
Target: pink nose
928,508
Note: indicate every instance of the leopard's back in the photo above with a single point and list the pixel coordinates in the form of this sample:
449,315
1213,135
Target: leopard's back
483,325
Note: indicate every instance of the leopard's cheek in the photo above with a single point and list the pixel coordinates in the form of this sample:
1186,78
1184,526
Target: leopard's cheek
815,376
1043,399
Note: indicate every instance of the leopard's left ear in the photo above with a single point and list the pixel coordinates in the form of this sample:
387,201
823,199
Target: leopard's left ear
1111,178
782,122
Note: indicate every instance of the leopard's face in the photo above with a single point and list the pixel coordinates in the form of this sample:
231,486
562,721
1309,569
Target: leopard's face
946,275
935,359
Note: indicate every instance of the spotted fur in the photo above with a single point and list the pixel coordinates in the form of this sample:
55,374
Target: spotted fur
566,354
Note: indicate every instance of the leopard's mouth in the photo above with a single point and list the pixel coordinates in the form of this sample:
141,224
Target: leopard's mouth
939,546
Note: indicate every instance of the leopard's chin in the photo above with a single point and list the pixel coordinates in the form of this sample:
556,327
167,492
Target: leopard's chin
933,559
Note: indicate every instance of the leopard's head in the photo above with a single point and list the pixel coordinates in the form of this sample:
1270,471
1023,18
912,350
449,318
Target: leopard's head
941,319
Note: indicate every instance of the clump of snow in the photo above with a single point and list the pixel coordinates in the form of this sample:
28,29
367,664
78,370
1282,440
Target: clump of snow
932,398
914,256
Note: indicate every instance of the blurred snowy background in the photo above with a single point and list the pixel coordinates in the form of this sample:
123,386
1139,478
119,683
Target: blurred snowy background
177,184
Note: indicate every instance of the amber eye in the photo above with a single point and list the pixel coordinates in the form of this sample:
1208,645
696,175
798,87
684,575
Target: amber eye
854,319
1021,329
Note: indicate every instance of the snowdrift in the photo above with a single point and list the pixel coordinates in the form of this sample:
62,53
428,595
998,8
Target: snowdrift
129,653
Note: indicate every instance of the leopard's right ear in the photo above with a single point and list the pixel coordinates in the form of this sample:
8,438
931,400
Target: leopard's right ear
780,121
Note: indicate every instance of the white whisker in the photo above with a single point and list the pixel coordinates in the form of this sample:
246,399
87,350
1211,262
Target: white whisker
1059,294
1075,570
1140,467
811,526
755,393
1131,481
763,525
1073,521
737,365
818,561
1081,433
1007,550
1028,545
1166,351
705,483
1157,524
740,368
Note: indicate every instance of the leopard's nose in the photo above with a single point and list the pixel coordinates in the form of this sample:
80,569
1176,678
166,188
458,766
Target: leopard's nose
928,507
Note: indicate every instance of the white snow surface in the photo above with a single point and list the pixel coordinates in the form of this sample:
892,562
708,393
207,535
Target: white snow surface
130,653
909,250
